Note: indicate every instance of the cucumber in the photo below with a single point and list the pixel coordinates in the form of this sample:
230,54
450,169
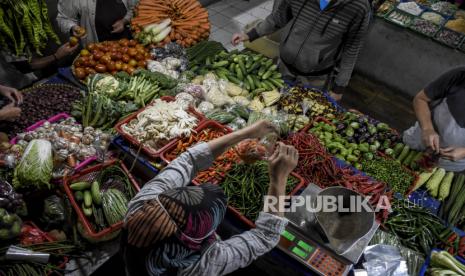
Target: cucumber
242,67
254,67
256,81
277,75
251,82
277,82
95,192
267,74
239,72
268,64
86,210
265,86
405,151
409,157
78,196
246,85
249,63
232,67
269,84
87,199
208,61
79,186
233,79
261,71
397,149
257,58
219,64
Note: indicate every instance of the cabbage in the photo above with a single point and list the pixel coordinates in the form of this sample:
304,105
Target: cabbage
36,166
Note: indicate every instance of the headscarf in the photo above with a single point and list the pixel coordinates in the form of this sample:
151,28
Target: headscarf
176,226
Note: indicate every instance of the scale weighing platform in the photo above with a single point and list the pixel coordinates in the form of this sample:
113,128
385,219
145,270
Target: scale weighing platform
303,242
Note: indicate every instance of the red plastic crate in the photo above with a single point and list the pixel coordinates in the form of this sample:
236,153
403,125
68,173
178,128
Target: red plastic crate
149,151
54,119
85,222
250,223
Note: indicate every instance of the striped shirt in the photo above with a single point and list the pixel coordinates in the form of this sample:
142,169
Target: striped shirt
316,40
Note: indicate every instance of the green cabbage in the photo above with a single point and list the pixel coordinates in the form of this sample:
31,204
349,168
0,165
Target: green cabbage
36,166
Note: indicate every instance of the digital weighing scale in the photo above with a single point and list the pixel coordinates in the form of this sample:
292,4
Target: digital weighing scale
302,240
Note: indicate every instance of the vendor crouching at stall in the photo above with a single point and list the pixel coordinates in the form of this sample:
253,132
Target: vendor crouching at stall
170,227
440,110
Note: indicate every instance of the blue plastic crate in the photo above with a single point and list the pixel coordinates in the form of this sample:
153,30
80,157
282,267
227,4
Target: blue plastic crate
121,144
423,199
425,266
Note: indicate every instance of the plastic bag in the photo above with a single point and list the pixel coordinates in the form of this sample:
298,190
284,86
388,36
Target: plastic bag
54,211
216,97
251,150
10,200
195,90
185,100
237,124
205,107
10,225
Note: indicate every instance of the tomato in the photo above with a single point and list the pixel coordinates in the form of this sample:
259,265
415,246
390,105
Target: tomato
132,43
124,50
132,52
92,63
124,42
84,52
90,71
73,41
133,62
147,55
130,70
105,59
125,58
80,31
91,47
142,64
118,65
80,73
124,67
111,66
98,55
100,68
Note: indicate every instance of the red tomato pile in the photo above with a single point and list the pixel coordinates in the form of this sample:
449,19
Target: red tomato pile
111,57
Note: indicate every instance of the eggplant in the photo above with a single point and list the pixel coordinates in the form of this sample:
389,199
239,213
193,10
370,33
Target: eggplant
363,130
340,126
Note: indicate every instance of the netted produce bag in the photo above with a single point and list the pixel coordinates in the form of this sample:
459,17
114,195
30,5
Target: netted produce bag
54,211
10,225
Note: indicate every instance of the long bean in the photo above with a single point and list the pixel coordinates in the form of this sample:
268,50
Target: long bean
245,185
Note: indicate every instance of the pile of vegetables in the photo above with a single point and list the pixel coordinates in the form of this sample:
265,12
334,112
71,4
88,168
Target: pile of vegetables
104,196
221,164
42,102
110,98
71,143
300,100
187,20
10,225
25,26
154,33
110,57
443,263
438,182
454,245
416,160
159,123
255,72
199,53
36,166
233,116
10,200
246,184
390,172
453,208
316,166
416,227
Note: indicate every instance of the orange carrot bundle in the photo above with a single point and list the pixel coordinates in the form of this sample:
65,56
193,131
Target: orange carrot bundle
189,20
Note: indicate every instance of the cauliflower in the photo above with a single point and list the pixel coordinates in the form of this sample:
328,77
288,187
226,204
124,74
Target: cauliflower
107,85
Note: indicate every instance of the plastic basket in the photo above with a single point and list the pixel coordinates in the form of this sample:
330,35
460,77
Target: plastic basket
395,10
141,159
427,262
445,29
154,153
54,119
250,223
90,174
